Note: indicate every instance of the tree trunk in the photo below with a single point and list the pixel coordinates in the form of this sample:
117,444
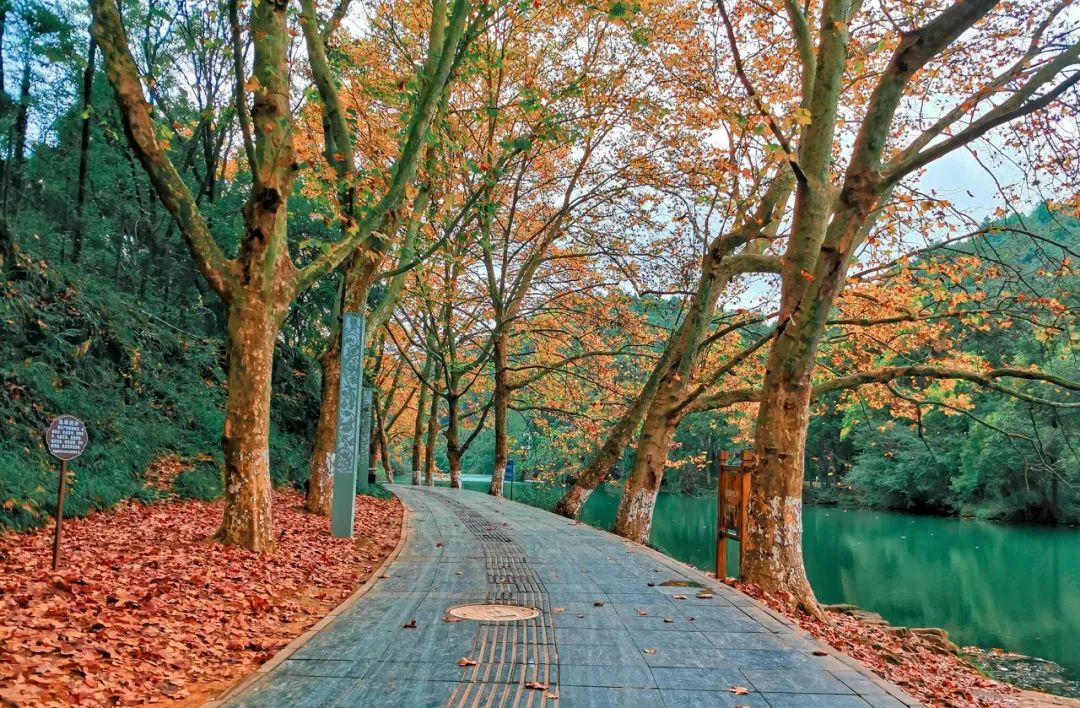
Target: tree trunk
373,438
634,518
432,435
320,494
453,451
252,330
501,404
772,553
609,453
416,458
22,116
384,452
418,425
84,154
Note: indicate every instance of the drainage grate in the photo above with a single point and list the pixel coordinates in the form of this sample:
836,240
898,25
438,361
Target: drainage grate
494,613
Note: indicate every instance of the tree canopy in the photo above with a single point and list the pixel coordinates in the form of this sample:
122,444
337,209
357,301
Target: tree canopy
607,240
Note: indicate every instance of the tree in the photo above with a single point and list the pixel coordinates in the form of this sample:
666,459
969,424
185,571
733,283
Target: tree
261,281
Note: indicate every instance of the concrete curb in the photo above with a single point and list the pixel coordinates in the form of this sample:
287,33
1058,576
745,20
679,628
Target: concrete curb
309,634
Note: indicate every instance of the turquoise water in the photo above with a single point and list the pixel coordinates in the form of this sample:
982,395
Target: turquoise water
1012,586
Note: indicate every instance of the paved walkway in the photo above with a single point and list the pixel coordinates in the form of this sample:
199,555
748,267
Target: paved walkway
611,631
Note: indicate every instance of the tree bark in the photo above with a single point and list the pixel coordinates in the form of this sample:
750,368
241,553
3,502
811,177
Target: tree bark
84,153
320,494
772,551
432,435
384,450
418,424
634,517
453,451
252,330
501,403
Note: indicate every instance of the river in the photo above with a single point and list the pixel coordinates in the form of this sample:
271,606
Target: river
1013,586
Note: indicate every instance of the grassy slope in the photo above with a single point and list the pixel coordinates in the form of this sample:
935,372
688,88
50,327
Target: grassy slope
71,345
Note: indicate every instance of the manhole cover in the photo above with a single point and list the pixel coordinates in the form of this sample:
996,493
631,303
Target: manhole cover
494,613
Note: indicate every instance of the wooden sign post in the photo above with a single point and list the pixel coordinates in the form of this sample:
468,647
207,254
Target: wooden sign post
66,439
732,499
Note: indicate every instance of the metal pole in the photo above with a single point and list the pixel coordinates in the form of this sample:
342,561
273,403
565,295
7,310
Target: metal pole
59,515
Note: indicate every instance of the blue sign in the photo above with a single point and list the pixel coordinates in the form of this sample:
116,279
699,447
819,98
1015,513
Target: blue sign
508,475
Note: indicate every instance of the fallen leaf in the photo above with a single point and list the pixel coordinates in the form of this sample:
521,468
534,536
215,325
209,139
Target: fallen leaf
147,607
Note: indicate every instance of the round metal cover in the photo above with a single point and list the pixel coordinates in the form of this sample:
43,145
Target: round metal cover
494,613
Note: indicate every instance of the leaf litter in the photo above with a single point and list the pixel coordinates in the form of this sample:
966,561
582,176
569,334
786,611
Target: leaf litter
145,608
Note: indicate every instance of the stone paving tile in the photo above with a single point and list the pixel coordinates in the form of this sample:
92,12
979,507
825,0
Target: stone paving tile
609,676
796,681
572,636
746,640
596,697
807,700
709,680
395,692
709,699
621,654
593,656
278,689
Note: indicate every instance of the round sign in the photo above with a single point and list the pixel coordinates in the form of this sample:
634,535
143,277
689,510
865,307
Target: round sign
66,437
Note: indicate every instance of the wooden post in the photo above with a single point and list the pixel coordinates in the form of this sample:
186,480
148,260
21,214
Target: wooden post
746,464
721,521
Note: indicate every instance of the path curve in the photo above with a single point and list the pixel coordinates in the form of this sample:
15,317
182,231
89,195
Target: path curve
610,631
